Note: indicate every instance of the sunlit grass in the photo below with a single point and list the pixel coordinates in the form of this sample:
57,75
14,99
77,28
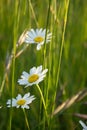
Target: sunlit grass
60,94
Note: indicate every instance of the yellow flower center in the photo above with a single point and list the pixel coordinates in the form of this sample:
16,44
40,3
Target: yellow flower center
38,39
33,78
21,102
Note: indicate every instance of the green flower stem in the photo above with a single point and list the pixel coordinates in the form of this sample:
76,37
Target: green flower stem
42,98
62,45
47,22
44,104
27,123
10,121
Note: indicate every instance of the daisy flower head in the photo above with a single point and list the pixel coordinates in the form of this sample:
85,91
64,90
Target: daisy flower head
34,76
83,125
20,101
38,37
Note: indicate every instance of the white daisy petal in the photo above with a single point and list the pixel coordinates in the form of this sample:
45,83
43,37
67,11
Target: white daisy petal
42,77
38,47
35,76
44,71
29,39
41,43
26,95
28,85
30,100
17,106
44,31
25,74
39,69
29,42
13,102
37,32
27,107
19,97
32,70
22,76
22,81
8,102
20,101
23,107
38,37
40,31
83,125
31,35
33,32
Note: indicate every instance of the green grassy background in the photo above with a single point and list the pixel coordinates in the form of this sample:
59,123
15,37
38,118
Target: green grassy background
15,17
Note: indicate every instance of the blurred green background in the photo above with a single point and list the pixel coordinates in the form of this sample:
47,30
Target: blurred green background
15,17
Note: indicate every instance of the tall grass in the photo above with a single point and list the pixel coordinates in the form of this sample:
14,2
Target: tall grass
61,93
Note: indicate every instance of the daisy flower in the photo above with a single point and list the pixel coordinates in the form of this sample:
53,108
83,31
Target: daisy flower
21,101
34,76
83,125
38,36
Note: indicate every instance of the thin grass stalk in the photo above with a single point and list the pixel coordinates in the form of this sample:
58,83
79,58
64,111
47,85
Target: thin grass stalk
33,13
14,45
41,96
29,13
44,62
62,45
14,52
46,32
48,15
70,101
44,104
26,120
52,56
51,59
40,114
2,85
